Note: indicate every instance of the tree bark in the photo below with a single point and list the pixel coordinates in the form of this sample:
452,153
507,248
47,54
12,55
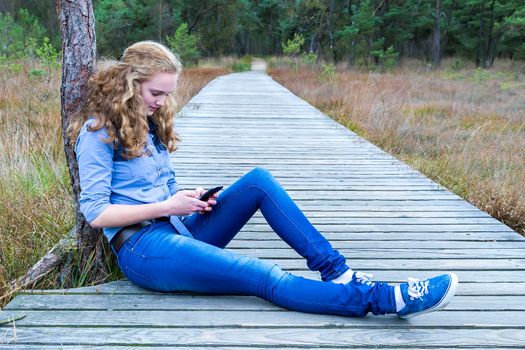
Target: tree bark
77,26
436,38
314,43
331,35
481,37
160,22
490,52
351,52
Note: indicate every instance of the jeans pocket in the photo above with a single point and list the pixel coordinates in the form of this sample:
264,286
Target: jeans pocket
132,245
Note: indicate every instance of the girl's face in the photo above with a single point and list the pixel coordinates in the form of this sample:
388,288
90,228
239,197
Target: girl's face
155,90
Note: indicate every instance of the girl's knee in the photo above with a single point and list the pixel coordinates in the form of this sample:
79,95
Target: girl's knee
260,172
260,177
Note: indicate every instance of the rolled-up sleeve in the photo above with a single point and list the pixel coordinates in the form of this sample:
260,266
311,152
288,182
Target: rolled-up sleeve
95,165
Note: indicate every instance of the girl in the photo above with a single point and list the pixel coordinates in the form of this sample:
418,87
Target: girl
167,239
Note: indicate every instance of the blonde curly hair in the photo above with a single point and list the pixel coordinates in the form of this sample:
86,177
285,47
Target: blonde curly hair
114,99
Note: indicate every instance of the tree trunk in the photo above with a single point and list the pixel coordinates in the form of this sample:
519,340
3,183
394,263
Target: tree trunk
331,35
479,54
314,43
490,52
436,38
160,22
77,26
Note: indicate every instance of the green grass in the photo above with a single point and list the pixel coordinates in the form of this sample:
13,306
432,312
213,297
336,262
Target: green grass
35,198
241,65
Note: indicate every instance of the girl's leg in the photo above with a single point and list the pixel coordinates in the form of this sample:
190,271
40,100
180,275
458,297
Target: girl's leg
258,189
158,259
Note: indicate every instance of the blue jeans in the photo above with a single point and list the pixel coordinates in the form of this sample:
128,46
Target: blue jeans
160,259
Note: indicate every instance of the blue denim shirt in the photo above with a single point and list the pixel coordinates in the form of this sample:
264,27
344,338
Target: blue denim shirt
107,178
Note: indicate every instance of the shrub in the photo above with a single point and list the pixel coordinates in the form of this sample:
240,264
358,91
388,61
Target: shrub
387,59
293,48
310,58
457,65
328,73
20,36
239,66
185,44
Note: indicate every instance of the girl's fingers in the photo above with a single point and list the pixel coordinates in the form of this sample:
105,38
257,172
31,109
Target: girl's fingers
190,193
199,191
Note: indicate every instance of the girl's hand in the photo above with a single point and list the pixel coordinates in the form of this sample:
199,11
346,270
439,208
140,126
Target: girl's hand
199,191
185,202
211,202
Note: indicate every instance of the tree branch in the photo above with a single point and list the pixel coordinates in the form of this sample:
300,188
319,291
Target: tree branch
47,263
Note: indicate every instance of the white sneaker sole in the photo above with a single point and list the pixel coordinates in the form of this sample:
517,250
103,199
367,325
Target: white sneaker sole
443,302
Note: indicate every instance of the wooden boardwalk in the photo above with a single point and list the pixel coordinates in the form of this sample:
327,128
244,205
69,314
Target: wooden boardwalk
388,219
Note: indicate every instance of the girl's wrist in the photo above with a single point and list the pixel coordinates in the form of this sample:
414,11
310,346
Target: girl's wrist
164,208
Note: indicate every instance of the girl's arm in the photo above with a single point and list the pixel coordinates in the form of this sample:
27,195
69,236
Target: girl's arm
95,163
182,203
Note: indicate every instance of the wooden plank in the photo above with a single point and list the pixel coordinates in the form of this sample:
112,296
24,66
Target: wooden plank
354,149
262,233
357,245
473,319
517,265
347,194
272,337
392,187
194,302
319,175
138,346
415,230
317,221
312,171
475,283
133,347
408,252
307,182
404,214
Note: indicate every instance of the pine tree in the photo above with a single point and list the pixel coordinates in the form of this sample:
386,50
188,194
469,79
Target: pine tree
184,44
361,36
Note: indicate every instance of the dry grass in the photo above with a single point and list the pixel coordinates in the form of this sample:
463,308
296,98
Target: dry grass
35,198
465,129
35,204
193,80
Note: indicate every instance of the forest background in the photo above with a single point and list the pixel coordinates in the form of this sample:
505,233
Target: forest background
360,32
440,84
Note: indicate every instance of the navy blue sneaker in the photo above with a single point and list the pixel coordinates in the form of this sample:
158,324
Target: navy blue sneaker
430,295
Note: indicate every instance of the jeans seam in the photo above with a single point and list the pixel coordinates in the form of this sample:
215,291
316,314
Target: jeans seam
339,307
138,274
286,216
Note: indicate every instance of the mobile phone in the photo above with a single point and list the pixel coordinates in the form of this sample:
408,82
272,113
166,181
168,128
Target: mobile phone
207,195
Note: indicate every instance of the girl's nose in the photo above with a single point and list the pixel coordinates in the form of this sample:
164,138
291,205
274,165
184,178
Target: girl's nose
160,101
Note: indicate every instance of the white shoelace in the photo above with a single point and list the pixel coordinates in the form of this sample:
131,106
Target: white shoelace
417,288
364,278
